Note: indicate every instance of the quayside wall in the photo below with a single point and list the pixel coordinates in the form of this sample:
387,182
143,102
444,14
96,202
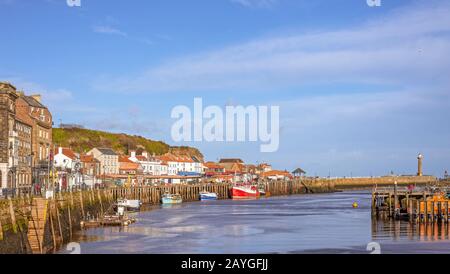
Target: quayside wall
369,182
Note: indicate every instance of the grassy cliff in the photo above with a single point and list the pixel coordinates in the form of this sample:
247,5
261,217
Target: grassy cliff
82,140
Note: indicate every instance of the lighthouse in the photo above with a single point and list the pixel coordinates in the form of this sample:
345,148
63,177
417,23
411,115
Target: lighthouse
419,165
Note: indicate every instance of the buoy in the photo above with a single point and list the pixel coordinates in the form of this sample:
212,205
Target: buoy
355,205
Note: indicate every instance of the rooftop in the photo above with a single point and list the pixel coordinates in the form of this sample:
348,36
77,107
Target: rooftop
107,151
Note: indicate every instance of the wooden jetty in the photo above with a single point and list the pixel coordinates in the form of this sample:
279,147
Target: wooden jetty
107,221
418,204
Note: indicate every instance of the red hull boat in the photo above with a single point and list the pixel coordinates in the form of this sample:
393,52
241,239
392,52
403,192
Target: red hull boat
245,192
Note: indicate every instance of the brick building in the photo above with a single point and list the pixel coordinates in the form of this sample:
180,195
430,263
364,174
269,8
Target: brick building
24,156
25,138
41,122
8,98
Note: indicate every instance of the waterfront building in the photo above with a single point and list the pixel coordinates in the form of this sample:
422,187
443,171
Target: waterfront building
232,167
276,175
151,165
65,158
67,165
133,170
109,160
264,167
41,121
23,151
213,169
182,164
8,134
15,142
90,170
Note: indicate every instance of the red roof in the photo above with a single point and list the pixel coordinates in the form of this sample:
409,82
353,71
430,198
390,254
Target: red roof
88,159
124,159
213,165
141,158
67,152
173,158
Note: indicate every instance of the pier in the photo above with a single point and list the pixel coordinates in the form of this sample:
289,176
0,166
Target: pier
419,204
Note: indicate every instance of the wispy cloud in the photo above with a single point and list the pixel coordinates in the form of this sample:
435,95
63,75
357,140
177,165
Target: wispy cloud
108,30
255,3
406,47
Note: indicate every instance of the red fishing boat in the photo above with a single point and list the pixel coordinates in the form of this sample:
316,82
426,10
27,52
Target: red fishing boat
245,192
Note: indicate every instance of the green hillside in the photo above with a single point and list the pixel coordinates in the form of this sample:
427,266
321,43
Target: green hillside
82,140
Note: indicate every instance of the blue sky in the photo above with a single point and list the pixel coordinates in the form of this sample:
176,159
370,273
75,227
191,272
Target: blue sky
362,90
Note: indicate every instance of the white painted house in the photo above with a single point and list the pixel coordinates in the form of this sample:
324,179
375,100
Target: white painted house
151,165
65,158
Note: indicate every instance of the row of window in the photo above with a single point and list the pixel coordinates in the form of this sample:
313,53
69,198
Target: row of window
23,144
43,134
23,128
43,152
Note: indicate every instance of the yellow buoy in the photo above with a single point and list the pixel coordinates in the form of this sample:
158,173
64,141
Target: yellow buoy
355,205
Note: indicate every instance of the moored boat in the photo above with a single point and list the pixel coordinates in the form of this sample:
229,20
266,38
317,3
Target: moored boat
132,205
168,198
207,196
262,191
245,192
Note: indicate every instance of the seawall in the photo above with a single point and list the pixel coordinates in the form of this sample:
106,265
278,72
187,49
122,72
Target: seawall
369,182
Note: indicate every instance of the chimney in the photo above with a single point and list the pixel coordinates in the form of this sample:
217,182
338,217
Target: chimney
133,153
145,154
60,150
36,97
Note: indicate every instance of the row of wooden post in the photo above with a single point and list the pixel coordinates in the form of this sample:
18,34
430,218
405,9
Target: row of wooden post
153,194
415,212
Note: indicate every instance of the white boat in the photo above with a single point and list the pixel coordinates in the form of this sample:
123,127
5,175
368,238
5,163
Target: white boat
129,204
168,198
207,196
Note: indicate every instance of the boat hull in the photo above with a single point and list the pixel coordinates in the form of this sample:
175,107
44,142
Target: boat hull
239,193
131,205
171,201
208,196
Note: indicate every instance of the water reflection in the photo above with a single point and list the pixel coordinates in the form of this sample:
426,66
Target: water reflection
400,230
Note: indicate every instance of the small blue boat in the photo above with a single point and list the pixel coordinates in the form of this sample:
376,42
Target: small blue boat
207,196
171,199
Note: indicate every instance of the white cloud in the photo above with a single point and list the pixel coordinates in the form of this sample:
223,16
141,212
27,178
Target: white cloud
406,47
255,3
108,30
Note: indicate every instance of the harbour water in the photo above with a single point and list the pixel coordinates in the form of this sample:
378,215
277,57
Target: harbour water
317,223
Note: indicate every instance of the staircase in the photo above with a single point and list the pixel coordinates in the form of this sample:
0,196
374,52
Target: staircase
36,225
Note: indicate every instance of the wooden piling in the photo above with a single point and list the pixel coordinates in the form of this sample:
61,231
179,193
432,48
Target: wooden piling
12,215
52,228
56,204
70,220
432,211
81,205
1,230
446,212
